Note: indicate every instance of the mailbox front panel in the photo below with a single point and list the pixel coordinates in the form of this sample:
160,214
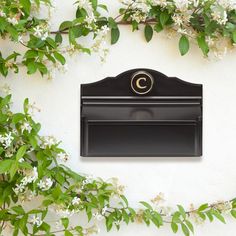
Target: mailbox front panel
139,123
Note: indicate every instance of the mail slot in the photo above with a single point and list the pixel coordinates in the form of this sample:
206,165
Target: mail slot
141,113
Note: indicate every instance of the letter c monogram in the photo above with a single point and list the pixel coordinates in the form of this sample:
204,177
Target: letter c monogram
138,83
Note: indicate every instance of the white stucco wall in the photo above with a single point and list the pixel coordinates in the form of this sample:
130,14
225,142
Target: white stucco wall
185,181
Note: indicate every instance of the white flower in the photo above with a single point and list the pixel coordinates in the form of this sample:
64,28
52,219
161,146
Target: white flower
35,220
182,31
65,212
90,19
62,68
220,54
182,5
177,19
21,160
210,41
2,139
20,39
195,3
159,199
75,201
46,184
38,31
41,32
227,4
48,141
31,176
12,21
89,179
162,3
20,188
98,216
100,45
5,89
2,14
219,16
86,4
44,36
7,140
32,108
62,156
26,126
104,210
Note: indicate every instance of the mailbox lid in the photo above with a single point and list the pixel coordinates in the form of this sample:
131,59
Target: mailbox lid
143,111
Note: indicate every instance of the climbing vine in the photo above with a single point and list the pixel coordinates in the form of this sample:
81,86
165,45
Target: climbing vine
209,23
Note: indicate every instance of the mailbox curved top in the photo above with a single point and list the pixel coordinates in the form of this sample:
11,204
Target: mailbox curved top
159,85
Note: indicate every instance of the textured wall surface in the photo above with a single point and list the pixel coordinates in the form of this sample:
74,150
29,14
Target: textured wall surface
185,181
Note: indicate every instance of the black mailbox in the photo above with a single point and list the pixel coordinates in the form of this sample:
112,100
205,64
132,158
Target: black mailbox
143,113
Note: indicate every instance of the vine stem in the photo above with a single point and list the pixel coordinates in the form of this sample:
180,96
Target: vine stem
120,22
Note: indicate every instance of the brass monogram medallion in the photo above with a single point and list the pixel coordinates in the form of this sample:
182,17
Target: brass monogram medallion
142,82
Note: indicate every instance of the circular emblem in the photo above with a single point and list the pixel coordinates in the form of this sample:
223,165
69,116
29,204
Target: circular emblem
142,82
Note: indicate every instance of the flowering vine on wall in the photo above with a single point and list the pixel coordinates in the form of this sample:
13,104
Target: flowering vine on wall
209,23
32,167
32,170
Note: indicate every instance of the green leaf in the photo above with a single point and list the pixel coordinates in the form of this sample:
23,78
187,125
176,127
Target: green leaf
31,68
26,106
233,213
125,217
125,200
218,216
94,4
185,229
182,211
65,25
18,117
51,42
148,31
174,227
13,32
68,233
65,222
13,169
33,141
158,27
60,58
21,152
203,207
203,44
175,217
26,5
58,38
5,166
112,24
103,7
164,17
18,209
71,36
42,68
115,35
31,54
157,219
209,215
234,36
190,225
3,24
147,205
23,224
183,45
